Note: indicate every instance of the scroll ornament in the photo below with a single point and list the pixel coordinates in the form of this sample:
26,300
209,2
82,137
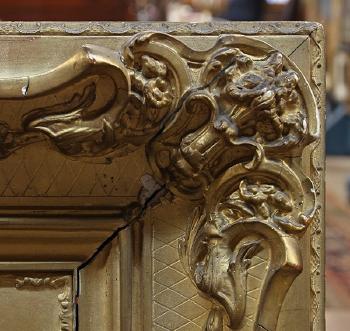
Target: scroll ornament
225,127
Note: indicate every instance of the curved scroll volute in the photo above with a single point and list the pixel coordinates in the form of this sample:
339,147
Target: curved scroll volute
146,86
78,126
248,212
88,61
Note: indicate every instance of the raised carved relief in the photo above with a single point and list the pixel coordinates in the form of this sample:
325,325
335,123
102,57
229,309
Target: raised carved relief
64,298
224,127
245,212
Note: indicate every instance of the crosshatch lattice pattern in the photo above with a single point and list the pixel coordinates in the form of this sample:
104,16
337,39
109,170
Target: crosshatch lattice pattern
176,303
256,274
177,306
51,174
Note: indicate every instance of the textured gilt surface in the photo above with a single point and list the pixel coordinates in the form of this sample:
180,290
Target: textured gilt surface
52,175
175,170
177,305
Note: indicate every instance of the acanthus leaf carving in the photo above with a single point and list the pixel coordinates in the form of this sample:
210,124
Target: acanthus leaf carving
245,213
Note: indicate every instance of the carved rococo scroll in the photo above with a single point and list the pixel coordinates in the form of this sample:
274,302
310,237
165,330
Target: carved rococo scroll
226,137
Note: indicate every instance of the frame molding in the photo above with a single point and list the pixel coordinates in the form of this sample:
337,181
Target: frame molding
236,128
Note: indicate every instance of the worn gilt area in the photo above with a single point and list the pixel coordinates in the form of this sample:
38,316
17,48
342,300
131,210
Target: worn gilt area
224,129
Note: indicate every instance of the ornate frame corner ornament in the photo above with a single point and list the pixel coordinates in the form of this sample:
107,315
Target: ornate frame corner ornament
230,138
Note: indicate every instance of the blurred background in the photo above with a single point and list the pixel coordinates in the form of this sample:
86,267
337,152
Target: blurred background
335,15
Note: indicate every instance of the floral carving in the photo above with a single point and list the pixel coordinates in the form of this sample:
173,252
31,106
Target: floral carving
264,201
264,100
259,100
152,84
